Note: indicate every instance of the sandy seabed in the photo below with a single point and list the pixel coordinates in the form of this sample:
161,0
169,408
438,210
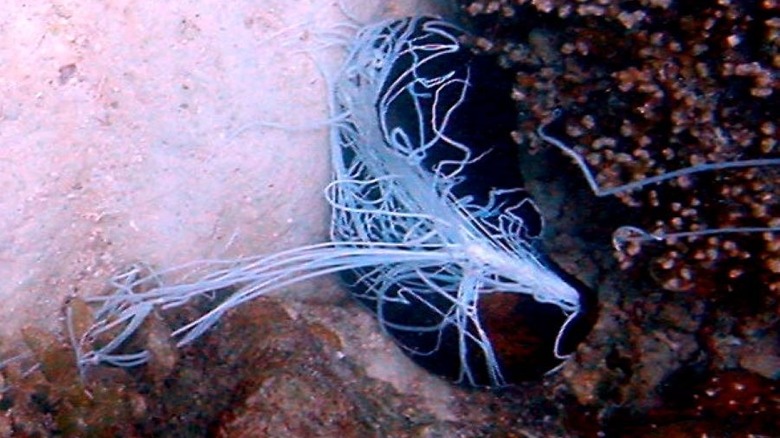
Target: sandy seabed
131,132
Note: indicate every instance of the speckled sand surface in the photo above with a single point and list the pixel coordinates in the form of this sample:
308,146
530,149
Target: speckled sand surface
122,140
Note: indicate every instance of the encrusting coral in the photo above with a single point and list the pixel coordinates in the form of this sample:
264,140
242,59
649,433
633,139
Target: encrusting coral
652,87
670,109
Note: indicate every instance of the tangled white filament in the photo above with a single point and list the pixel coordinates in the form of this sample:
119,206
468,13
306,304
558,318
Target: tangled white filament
397,225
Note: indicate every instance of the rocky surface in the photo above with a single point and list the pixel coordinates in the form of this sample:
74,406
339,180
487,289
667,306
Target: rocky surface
270,368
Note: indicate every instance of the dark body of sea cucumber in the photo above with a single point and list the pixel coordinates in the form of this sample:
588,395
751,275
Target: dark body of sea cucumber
528,338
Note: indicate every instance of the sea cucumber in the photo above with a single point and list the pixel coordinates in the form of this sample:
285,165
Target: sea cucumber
425,160
431,228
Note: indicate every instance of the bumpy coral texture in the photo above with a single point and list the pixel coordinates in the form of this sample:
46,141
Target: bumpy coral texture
652,86
686,343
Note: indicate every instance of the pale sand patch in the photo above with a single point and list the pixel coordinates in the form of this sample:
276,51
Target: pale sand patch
121,140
